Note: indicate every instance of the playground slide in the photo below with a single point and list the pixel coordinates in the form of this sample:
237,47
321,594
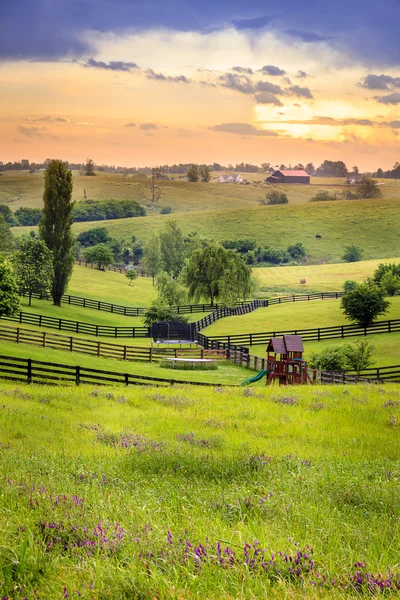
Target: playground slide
257,377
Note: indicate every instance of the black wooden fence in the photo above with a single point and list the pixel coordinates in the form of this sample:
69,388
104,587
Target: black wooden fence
308,335
35,371
79,327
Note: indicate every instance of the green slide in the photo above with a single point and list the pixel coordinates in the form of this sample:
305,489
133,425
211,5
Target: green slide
257,377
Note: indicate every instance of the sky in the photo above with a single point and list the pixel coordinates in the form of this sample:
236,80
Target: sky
135,83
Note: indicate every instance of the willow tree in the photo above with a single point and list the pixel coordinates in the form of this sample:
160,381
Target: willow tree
55,226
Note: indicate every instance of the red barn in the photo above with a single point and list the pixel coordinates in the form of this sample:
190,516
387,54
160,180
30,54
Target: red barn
289,176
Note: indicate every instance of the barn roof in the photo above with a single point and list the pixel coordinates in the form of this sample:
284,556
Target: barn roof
285,344
293,173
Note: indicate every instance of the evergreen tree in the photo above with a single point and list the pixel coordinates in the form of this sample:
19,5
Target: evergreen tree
55,227
33,267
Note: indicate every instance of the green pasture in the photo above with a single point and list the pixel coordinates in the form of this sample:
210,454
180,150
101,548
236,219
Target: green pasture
292,315
227,373
319,278
127,493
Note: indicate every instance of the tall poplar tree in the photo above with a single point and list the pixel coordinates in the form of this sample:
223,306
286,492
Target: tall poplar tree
55,226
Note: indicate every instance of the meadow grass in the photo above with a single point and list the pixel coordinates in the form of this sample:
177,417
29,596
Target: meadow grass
371,224
296,315
145,493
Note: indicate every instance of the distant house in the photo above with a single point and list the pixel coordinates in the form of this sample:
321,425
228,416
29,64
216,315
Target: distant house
289,176
228,178
353,179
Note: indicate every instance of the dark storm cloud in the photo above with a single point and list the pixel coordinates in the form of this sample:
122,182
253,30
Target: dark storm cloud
272,70
242,129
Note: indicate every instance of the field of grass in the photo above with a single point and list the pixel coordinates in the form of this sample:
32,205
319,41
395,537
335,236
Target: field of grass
297,315
319,278
185,493
227,373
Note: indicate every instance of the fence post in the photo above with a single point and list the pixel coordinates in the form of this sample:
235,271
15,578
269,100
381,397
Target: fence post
388,326
151,354
17,340
59,323
126,379
29,371
124,352
71,343
77,375
84,303
98,348
44,339
115,332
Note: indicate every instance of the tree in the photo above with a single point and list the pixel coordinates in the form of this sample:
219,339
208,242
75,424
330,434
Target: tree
352,253
331,168
266,167
297,250
310,169
384,268
390,283
204,173
101,255
330,358
131,275
91,237
193,174
7,242
33,267
364,303
8,215
159,310
9,298
214,272
358,355
28,216
55,226
151,190
276,197
368,188
172,249
89,168
170,290
152,256
349,284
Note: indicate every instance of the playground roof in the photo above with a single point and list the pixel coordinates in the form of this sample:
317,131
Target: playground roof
285,344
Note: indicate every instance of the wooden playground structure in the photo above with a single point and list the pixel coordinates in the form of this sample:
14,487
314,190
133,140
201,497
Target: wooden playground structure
285,361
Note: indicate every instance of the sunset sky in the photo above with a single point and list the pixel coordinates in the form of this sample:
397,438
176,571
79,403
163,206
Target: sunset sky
145,83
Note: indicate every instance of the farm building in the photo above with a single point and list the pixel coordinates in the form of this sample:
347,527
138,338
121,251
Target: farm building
289,176
228,178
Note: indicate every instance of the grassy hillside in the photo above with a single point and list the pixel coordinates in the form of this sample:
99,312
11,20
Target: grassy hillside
147,494
298,315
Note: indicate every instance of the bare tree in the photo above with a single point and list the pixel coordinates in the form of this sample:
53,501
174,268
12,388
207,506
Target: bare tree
152,190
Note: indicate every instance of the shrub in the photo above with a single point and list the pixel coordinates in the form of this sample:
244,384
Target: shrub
241,246
390,283
349,284
159,310
364,303
331,358
384,268
358,355
90,210
368,188
276,197
352,253
166,210
297,251
323,196
275,257
28,216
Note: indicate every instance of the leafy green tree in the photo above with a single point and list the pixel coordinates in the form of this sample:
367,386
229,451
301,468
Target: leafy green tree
101,255
205,173
33,267
94,236
28,216
349,284
170,290
297,250
9,297
368,188
358,355
384,268
8,215
352,253
390,283
331,358
152,256
131,275
89,168
193,174
172,249
7,243
55,226
276,197
364,303
216,273
160,310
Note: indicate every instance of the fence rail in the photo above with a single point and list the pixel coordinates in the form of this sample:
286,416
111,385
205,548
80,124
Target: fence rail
79,327
44,339
308,335
35,371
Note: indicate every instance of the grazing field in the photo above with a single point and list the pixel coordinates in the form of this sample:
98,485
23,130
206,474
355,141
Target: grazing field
297,315
186,493
319,278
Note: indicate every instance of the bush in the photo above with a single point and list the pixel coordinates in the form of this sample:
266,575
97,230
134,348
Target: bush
349,284
166,210
90,210
28,216
384,268
241,246
159,310
92,237
276,197
275,257
358,355
331,358
364,303
352,253
297,251
323,196
368,188
390,283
